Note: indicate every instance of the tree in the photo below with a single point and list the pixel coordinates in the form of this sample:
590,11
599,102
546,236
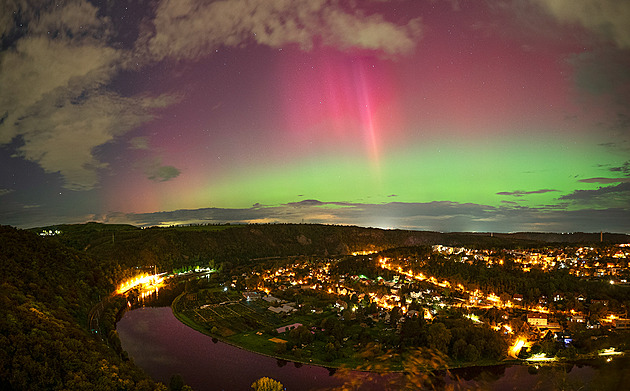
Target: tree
176,383
438,337
267,384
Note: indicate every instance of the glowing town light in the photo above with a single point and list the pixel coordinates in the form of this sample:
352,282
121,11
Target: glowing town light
145,281
540,357
494,298
473,317
516,348
609,352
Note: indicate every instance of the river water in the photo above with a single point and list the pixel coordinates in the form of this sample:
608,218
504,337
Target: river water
163,346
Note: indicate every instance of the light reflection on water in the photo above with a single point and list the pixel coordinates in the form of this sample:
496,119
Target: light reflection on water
163,346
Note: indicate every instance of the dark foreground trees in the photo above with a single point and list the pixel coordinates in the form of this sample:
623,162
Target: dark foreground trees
46,291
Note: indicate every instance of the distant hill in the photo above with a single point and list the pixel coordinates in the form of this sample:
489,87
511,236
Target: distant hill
179,246
572,238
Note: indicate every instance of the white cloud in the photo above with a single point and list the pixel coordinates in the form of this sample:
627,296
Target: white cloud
191,28
53,91
607,17
141,143
61,135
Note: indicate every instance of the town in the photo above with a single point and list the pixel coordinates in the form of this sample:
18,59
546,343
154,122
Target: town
526,304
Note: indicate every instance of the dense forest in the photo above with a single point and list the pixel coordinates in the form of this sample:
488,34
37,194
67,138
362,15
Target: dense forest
213,245
46,292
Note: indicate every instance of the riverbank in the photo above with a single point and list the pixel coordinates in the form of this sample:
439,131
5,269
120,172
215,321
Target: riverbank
259,343
162,345
389,363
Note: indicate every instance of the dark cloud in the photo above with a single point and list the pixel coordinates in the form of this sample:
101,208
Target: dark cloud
624,168
607,196
433,216
606,17
604,180
521,193
306,203
603,71
162,173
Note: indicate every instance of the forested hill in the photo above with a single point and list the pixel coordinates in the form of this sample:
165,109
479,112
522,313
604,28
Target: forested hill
181,246
46,291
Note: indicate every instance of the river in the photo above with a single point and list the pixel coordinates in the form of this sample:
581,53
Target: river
163,346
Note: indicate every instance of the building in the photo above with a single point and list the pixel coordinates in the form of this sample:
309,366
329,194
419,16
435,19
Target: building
578,318
620,323
282,329
285,308
537,319
250,295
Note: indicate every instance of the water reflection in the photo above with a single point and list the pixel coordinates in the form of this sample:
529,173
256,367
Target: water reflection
163,346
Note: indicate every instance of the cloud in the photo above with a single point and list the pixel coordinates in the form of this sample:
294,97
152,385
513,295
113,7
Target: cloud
604,180
606,17
159,173
520,193
607,196
624,168
141,143
434,216
187,29
53,90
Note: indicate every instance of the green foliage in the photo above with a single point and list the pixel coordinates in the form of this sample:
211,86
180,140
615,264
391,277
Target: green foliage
45,294
267,384
176,383
169,248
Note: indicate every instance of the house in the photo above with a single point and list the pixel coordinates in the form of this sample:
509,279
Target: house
621,324
415,295
282,329
577,318
553,326
285,308
271,299
250,295
593,325
564,337
537,319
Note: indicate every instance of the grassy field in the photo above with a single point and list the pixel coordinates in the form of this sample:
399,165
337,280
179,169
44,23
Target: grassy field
250,325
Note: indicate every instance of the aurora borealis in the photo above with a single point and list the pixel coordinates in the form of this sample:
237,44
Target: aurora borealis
510,115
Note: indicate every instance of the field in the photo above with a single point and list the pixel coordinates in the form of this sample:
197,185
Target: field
250,324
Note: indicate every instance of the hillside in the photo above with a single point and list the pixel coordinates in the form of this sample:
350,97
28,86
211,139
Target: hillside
181,246
46,292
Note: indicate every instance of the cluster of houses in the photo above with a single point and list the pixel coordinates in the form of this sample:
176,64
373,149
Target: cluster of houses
613,261
397,292
276,305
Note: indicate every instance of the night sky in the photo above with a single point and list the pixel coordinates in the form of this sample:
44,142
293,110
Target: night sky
499,116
